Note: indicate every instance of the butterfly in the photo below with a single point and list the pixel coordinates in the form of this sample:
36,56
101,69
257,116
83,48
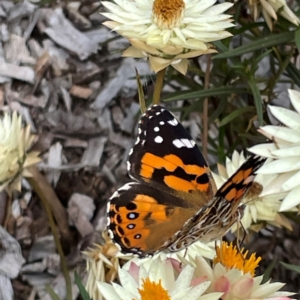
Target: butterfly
173,201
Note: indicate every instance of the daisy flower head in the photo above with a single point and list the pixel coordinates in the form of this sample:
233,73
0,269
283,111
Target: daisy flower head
284,150
168,32
263,201
15,158
270,8
158,278
233,275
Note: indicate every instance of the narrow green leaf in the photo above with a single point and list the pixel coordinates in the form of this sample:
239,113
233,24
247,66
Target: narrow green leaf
297,39
51,292
236,114
291,267
257,99
268,271
260,57
84,294
265,42
183,95
294,73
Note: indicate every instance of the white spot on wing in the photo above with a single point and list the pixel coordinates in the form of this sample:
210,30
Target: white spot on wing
130,151
173,122
139,130
126,186
156,129
137,140
161,123
128,165
180,143
158,113
158,139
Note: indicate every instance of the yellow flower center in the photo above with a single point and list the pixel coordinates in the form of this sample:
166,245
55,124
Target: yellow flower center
152,290
230,258
168,14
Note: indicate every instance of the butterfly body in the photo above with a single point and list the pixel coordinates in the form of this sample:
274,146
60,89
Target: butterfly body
173,200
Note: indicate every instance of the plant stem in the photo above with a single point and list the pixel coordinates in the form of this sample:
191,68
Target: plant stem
158,85
205,110
45,193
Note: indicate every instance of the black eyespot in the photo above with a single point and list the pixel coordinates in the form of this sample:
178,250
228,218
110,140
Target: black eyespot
131,206
137,236
131,226
132,216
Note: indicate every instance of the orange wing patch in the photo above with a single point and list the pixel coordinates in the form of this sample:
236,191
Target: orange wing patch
237,185
170,163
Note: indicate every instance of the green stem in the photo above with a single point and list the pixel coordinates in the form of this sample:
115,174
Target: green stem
37,181
158,86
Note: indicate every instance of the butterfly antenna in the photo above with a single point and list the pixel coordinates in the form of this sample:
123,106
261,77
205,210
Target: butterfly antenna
240,242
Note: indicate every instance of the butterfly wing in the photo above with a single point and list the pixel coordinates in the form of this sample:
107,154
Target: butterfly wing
142,219
166,157
213,220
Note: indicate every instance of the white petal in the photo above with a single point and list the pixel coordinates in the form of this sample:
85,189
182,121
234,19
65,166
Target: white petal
280,166
196,291
295,99
184,279
211,296
218,9
283,133
123,292
288,117
291,200
292,182
287,152
266,290
127,281
264,150
107,291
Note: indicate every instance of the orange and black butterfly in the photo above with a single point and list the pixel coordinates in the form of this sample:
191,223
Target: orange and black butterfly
173,200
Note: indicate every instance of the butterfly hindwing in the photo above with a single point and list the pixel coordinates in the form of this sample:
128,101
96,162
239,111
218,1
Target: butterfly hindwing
142,219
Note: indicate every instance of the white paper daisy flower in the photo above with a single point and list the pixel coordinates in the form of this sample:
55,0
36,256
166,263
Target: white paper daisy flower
168,32
285,150
15,158
158,279
233,274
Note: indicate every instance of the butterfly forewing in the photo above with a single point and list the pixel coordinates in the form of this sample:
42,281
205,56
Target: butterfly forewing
165,156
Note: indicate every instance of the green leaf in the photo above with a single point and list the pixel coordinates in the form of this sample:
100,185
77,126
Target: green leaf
51,292
84,294
294,73
257,99
268,270
184,95
236,114
297,39
291,267
265,42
